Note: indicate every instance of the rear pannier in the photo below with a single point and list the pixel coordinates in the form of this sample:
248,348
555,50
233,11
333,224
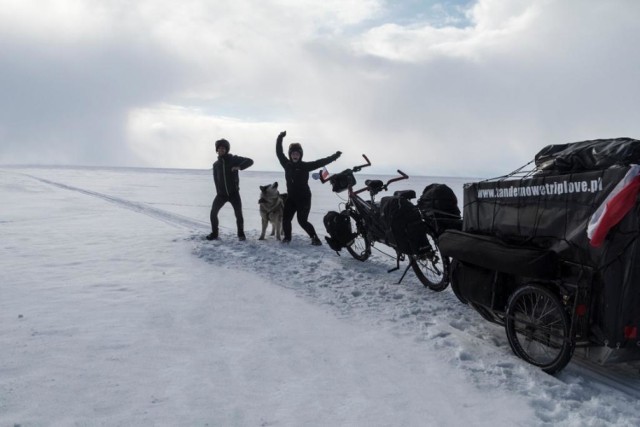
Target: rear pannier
406,229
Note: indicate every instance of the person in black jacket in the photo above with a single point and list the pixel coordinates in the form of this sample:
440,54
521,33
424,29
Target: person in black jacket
298,200
227,181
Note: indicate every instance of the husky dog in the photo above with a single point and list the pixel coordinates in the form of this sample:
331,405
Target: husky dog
271,206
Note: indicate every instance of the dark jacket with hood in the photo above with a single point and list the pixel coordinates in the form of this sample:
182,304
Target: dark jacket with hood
227,181
297,173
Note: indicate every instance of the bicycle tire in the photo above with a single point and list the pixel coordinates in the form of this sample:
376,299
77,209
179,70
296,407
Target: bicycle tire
538,328
432,269
360,247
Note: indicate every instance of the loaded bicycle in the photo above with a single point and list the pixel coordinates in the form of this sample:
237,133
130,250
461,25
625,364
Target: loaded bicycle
394,221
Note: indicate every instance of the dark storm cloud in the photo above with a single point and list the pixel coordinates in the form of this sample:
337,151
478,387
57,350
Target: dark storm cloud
63,103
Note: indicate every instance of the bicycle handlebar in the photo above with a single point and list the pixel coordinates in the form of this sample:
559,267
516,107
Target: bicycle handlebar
399,178
385,187
359,168
353,169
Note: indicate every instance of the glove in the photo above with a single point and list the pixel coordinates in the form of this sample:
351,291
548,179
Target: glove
282,134
338,154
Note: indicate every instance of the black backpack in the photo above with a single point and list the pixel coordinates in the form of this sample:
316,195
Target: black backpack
440,201
405,228
338,226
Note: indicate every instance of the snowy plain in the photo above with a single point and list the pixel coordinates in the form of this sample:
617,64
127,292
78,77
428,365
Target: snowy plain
114,311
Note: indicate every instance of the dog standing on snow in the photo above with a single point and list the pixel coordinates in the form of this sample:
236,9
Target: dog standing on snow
271,208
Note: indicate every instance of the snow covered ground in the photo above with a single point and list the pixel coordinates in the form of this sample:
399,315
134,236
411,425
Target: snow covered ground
114,311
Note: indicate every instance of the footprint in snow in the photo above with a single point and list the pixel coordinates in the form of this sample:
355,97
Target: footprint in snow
466,356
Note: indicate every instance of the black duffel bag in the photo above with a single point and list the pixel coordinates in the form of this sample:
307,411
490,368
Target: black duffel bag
439,201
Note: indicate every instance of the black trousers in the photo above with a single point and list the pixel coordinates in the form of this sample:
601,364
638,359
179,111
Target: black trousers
219,201
300,204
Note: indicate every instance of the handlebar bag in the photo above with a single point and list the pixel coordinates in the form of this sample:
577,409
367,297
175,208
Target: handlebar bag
341,181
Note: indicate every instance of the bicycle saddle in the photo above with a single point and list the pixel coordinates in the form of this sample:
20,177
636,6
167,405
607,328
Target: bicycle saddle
405,194
374,185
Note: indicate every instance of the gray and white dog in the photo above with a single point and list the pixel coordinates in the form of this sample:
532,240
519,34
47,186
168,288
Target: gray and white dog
271,207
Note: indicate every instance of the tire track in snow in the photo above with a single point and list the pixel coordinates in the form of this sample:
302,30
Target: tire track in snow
624,377
162,215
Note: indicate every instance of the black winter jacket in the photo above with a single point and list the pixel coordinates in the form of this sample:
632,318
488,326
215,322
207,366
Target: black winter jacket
227,181
297,173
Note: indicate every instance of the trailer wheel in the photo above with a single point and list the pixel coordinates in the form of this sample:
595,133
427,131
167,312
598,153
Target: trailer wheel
538,328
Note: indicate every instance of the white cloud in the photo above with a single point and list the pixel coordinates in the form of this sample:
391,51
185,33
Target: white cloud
493,22
53,21
152,81
174,136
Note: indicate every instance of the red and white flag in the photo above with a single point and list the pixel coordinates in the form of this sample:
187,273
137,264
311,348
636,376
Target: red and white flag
324,173
617,204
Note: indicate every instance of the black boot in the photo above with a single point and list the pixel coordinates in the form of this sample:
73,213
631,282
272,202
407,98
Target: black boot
241,236
212,236
315,241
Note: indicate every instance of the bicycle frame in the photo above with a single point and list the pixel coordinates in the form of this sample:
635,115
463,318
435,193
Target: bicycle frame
367,210
430,267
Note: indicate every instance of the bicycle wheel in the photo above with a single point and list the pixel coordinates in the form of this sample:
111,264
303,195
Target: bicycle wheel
432,269
538,328
360,246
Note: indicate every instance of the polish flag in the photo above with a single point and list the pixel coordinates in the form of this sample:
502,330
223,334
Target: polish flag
324,173
617,204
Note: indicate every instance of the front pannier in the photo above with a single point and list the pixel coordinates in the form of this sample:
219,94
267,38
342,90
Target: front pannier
405,227
338,226
440,201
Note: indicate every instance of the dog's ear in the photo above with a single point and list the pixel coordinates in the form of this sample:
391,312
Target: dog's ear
263,188
275,184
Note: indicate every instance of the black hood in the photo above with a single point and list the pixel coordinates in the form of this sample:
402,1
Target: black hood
296,147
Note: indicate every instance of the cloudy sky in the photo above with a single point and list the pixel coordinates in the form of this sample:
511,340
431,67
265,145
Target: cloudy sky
457,87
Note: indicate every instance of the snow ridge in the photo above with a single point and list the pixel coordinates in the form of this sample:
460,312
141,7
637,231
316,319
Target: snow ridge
143,208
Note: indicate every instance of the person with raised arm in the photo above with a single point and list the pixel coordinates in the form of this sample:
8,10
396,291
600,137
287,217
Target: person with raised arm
296,172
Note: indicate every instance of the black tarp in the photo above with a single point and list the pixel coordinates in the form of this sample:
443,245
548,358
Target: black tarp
551,212
588,155
548,211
